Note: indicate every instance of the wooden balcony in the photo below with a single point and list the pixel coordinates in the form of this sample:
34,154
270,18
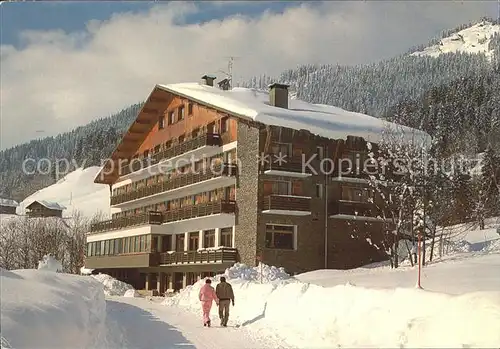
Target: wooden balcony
218,170
353,208
152,217
200,210
157,218
223,255
291,165
286,203
208,139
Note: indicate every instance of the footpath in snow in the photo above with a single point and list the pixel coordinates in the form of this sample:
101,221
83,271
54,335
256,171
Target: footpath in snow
139,323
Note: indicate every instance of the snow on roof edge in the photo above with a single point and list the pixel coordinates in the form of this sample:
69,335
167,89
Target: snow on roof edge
48,204
320,119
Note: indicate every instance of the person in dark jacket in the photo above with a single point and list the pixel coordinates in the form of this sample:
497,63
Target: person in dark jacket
224,292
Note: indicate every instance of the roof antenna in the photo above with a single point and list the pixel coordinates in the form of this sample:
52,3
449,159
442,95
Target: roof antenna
229,73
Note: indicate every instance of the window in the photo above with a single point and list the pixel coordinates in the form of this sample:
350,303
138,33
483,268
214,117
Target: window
190,109
161,121
224,124
118,246
179,242
226,237
209,238
146,153
280,236
194,238
125,245
319,152
195,133
171,117
181,138
180,113
137,244
282,149
355,194
277,187
111,247
156,149
319,190
142,246
211,127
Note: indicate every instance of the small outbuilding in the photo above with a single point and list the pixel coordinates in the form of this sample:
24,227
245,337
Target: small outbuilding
43,208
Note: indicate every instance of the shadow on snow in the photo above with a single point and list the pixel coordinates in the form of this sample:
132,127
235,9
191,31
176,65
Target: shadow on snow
139,329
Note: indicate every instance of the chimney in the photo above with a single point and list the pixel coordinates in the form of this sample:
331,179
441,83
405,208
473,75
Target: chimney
224,84
208,80
278,95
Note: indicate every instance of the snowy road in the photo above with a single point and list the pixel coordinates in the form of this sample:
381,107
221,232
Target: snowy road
137,323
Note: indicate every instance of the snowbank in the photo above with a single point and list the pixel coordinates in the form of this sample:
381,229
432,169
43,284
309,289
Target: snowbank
112,286
49,263
306,315
131,293
42,309
262,273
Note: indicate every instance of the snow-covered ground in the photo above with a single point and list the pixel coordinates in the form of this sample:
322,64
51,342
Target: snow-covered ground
374,306
367,307
473,40
44,309
75,191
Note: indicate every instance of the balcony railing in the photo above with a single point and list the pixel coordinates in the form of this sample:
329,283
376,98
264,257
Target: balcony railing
284,163
156,218
223,255
218,170
353,208
199,210
208,139
286,203
152,217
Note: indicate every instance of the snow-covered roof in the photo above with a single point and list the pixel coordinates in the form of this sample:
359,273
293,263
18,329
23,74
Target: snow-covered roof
323,120
48,204
8,203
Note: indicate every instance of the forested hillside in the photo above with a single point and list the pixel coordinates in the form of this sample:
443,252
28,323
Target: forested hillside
85,146
454,96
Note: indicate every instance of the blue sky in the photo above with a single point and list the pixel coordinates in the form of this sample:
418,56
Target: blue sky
73,62
73,15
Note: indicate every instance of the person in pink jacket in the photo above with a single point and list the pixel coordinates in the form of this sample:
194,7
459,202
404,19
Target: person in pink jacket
207,296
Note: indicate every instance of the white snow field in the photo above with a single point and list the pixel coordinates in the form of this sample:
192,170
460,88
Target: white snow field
75,191
372,306
44,309
473,40
366,307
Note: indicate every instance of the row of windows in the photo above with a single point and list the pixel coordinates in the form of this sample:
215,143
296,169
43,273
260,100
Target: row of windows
285,187
197,167
149,243
174,116
289,150
132,244
226,193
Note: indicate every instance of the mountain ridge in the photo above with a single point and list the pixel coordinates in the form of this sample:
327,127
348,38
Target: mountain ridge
375,89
